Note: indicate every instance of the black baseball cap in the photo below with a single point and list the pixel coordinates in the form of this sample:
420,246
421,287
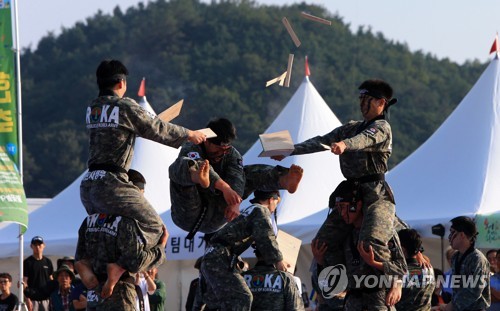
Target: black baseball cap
37,239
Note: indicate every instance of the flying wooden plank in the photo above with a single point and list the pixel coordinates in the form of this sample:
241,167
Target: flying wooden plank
316,19
291,32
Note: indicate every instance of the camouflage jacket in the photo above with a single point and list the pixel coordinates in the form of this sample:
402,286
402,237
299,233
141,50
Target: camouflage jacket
474,270
104,239
366,153
418,286
252,225
272,289
229,168
113,123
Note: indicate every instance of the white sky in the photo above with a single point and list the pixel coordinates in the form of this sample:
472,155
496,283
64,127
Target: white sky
457,29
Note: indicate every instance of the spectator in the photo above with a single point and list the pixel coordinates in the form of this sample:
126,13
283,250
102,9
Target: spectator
491,255
194,300
38,271
144,286
60,298
79,292
157,299
8,301
468,265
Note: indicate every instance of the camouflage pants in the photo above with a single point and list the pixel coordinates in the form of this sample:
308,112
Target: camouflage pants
376,230
123,298
224,283
367,301
110,193
188,199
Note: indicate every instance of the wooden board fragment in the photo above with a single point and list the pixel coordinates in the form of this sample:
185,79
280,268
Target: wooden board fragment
292,34
171,112
316,19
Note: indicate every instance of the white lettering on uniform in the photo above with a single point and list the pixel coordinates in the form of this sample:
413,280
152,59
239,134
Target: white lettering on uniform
277,283
248,278
92,219
268,280
115,113
104,113
114,225
87,117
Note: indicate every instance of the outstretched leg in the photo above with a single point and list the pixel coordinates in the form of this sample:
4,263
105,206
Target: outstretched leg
291,180
269,178
201,175
86,274
114,274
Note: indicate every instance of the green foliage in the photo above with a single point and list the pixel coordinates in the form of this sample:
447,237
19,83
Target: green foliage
217,57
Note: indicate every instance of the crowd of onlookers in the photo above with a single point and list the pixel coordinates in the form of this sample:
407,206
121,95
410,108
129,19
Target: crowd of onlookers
61,289
46,289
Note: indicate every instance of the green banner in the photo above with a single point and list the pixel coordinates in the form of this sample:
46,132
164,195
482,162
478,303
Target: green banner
13,206
488,227
8,104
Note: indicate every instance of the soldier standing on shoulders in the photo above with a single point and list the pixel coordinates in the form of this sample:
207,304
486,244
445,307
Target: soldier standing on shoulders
364,148
113,122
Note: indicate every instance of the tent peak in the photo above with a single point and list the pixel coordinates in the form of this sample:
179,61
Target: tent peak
307,71
142,88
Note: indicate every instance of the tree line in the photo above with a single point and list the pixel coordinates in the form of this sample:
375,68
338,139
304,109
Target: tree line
217,57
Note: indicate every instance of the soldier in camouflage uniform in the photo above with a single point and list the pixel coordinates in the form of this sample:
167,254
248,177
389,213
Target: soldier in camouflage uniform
223,280
105,238
207,206
113,122
361,264
468,265
364,148
419,282
272,289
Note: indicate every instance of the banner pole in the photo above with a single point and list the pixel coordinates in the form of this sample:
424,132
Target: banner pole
17,52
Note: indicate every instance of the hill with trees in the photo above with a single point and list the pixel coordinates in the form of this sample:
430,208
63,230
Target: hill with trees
217,57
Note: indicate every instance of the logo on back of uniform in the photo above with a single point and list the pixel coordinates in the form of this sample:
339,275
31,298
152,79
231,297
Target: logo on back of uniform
102,116
269,282
332,281
103,223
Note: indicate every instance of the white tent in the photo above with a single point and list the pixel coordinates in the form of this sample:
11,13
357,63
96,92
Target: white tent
457,170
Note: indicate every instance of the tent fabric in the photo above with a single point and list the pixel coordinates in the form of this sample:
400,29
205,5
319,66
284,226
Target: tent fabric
456,171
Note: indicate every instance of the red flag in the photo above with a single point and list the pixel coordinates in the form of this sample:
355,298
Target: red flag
307,71
494,47
142,88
